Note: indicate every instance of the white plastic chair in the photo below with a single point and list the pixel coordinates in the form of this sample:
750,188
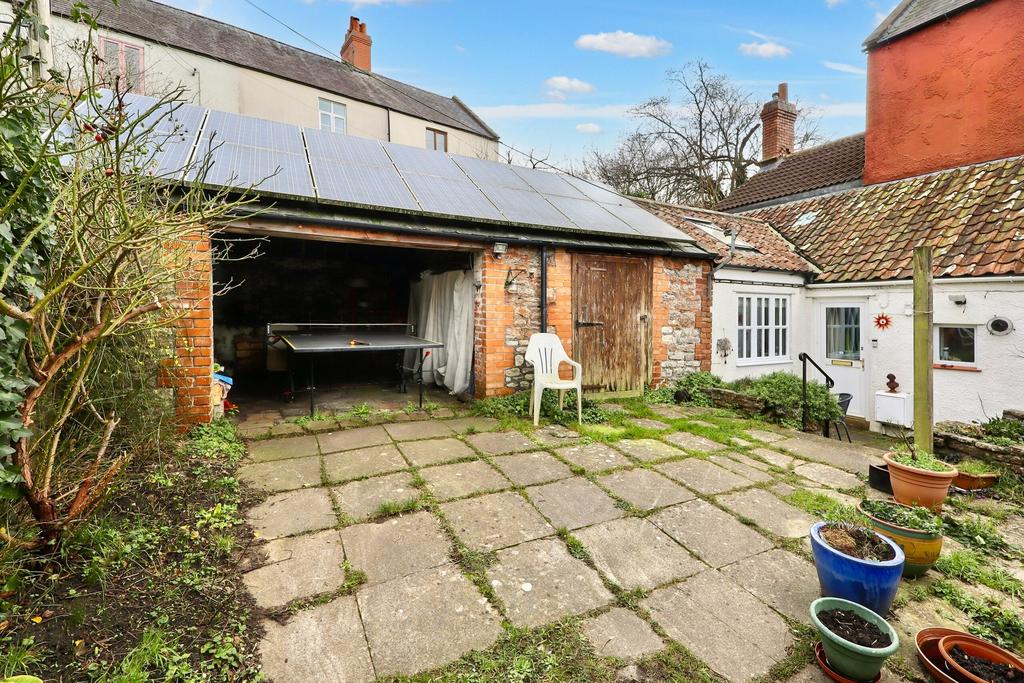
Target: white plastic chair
545,353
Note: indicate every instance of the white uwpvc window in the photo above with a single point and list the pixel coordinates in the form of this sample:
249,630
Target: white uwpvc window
762,329
124,60
955,346
333,116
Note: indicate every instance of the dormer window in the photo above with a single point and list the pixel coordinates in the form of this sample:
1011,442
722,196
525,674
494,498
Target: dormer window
721,234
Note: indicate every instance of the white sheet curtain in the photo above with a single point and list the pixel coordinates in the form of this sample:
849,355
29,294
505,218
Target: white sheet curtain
441,306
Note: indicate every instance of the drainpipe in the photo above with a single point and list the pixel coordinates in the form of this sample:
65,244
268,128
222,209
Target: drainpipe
543,288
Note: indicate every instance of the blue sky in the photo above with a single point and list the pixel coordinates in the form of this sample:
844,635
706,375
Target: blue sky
559,76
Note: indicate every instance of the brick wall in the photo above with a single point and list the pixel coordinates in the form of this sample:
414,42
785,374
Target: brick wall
190,373
681,308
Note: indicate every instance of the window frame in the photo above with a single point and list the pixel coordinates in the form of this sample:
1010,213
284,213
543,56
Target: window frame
773,332
434,133
937,339
140,87
844,325
333,114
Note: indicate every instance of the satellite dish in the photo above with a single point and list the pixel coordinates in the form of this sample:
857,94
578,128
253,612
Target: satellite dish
999,326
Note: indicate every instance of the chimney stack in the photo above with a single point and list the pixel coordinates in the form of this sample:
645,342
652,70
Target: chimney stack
778,127
356,48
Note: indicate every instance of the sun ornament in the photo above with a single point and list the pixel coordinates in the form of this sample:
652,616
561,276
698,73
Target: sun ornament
883,321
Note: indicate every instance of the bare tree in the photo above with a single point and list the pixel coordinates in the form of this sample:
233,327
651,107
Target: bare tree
695,150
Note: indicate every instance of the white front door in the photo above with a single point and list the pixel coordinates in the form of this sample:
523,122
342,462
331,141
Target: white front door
842,331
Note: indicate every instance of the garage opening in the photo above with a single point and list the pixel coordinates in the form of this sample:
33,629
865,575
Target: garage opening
281,297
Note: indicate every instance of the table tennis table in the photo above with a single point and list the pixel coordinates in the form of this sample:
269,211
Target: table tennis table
313,339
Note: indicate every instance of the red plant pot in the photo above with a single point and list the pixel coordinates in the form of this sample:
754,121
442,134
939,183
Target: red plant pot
975,648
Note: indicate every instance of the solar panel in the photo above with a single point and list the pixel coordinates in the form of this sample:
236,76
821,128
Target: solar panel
590,215
527,206
646,223
346,148
488,174
371,185
264,170
599,192
548,183
253,132
451,197
423,161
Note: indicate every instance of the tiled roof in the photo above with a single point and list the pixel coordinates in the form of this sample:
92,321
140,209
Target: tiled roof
910,15
163,24
834,163
773,252
972,215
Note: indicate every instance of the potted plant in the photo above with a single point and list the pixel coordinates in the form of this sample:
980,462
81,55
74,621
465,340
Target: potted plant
857,641
857,564
917,530
919,478
979,661
975,474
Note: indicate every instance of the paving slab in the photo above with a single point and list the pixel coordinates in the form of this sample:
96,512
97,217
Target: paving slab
781,580
323,643
748,461
723,625
461,425
702,423
715,536
769,512
351,439
671,412
693,442
647,423
361,499
813,674
573,503
396,546
648,450
500,443
555,435
286,429
849,501
852,458
766,436
774,457
425,620
282,475
702,476
435,451
743,469
593,457
634,553
496,520
826,475
741,443
414,431
462,478
297,567
279,449
293,512
540,582
622,634
362,462
526,469
645,489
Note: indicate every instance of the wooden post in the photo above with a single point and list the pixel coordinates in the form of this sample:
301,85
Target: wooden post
923,355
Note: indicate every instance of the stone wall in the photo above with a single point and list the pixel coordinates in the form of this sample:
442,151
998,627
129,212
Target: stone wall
681,308
946,440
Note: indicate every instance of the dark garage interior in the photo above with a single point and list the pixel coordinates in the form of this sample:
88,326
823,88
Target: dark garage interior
288,280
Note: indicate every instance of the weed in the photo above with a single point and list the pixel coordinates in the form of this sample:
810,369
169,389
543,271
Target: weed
575,546
213,440
972,567
631,599
317,416
1000,625
220,516
17,658
823,506
390,508
980,534
362,411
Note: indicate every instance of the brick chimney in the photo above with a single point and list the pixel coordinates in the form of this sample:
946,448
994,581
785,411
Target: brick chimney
356,48
778,125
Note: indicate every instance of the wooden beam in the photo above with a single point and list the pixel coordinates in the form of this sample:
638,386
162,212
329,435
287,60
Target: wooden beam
924,396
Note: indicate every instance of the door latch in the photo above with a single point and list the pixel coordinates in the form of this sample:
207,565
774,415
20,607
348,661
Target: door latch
587,323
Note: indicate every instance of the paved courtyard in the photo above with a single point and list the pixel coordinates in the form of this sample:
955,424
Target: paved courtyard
367,531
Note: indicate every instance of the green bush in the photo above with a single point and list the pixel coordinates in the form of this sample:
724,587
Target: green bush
782,395
518,405
695,384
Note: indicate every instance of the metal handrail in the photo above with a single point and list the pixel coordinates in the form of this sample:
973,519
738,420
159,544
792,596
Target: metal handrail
829,383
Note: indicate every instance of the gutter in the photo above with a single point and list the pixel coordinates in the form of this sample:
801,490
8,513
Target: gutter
910,283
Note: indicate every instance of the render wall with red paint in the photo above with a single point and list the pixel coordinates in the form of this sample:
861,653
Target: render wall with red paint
947,95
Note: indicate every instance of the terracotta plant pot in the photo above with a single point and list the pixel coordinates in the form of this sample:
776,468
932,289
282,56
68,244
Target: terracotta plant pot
921,548
927,640
975,648
971,482
914,486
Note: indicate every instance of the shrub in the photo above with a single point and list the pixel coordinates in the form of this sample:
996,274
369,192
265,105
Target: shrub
783,398
695,384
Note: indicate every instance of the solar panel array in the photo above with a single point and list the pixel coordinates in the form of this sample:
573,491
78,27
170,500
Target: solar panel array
282,159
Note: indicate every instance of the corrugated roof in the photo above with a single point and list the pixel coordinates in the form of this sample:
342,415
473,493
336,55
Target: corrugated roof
171,26
911,15
972,215
771,250
835,163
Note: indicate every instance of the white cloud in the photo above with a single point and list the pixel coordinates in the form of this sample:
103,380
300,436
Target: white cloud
588,128
624,44
845,68
560,87
766,50
834,3
554,110
459,48
840,110
202,6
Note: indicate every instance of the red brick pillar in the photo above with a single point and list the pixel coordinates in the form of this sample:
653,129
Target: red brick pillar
190,372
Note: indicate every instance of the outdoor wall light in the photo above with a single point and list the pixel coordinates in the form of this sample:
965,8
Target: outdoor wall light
500,248
958,299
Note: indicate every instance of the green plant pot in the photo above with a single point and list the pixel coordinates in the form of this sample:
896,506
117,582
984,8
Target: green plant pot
853,661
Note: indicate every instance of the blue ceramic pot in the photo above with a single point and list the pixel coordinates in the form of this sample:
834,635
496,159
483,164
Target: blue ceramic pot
871,584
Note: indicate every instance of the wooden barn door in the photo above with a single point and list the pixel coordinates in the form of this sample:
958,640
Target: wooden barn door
611,303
